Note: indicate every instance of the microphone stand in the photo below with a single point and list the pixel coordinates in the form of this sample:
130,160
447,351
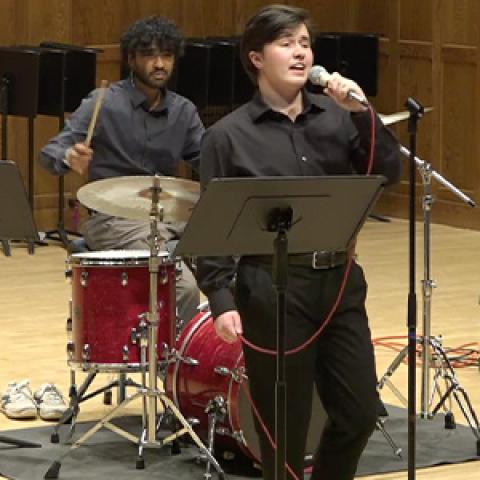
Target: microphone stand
427,172
434,356
416,112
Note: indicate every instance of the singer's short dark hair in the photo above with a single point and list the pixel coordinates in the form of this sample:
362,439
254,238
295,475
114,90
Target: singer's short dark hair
152,31
268,24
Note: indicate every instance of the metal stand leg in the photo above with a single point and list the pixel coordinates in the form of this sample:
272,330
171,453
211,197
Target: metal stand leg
442,371
79,396
142,441
381,427
18,443
454,388
6,248
216,410
385,380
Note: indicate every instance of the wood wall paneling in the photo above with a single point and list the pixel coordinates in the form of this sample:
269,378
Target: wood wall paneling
460,20
373,16
10,22
108,63
243,9
459,158
215,19
49,20
17,143
430,49
337,16
45,183
386,99
411,68
416,20
132,10
95,22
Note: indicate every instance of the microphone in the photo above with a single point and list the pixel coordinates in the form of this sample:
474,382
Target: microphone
318,75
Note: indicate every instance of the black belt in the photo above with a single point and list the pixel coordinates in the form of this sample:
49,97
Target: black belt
319,260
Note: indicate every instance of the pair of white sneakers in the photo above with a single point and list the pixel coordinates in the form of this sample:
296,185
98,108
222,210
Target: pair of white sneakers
19,402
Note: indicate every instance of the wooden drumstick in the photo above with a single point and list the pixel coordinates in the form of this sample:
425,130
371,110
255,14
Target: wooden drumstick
96,109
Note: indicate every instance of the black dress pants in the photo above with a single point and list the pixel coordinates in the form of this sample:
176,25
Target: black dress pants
339,364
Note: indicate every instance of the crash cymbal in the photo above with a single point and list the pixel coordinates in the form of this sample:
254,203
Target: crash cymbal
399,116
130,197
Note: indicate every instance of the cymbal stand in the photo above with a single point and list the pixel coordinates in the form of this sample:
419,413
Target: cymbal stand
435,363
147,337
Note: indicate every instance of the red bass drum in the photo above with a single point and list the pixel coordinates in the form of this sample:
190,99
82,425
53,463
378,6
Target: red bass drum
209,368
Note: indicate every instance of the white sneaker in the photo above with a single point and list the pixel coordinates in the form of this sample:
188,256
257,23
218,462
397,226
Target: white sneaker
50,401
18,401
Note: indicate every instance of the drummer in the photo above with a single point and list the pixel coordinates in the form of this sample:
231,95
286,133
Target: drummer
143,128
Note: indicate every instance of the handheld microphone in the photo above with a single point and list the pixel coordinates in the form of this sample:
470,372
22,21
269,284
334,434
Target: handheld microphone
318,75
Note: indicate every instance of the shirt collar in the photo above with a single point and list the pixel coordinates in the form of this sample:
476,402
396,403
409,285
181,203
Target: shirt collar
139,99
258,108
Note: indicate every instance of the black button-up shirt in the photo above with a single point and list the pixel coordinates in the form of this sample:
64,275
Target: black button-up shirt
256,141
130,139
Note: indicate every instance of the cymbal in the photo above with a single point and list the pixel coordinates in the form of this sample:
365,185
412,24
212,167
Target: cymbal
130,197
399,116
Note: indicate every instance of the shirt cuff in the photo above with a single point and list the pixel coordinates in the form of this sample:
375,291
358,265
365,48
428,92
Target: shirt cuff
221,301
65,160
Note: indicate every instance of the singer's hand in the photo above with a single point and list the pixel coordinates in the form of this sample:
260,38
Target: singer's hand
228,326
338,88
79,157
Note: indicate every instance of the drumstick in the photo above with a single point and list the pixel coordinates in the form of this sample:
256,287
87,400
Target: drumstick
96,109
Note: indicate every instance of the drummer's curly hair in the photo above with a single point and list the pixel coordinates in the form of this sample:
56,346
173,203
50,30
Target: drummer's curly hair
155,30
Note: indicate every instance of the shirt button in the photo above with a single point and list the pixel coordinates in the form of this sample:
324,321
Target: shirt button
304,158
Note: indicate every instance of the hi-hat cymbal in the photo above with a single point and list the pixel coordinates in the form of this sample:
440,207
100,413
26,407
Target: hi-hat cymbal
399,116
130,197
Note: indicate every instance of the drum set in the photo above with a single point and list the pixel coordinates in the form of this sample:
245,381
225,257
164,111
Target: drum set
123,319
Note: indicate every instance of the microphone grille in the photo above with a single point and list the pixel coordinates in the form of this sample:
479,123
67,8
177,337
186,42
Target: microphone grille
318,75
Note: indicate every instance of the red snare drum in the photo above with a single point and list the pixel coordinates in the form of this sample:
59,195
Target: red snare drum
110,289
219,372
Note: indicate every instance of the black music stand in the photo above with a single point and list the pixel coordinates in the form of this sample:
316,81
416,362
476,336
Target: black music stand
67,75
16,219
278,216
19,96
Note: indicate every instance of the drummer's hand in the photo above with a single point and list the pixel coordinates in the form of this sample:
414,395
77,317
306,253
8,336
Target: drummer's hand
79,157
228,326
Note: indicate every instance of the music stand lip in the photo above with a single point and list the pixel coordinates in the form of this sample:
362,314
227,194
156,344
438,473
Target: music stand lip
70,47
230,217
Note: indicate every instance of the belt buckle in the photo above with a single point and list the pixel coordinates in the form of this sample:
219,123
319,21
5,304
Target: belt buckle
315,257
327,255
